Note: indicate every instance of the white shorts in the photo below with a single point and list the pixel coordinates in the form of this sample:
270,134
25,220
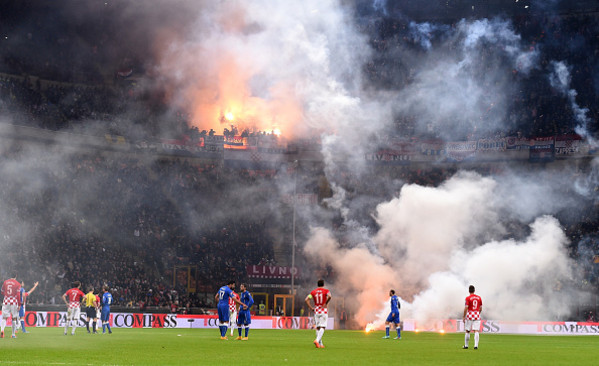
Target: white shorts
10,310
471,325
320,320
73,313
232,316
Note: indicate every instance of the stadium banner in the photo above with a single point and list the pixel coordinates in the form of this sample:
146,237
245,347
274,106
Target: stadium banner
517,143
542,149
204,148
262,271
497,144
302,199
460,151
388,156
57,319
432,148
45,319
570,146
505,327
252,157
236,142
258,322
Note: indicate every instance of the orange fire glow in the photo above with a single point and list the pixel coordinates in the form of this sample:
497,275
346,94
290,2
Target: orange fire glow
229,101
220,84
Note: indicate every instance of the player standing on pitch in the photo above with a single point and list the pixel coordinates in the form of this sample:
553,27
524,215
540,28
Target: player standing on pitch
105,315
24,295
393,316
471,318
10,306
321,297
244,319
75,296
222,296
233,312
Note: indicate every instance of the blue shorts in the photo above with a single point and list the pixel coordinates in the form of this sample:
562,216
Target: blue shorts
22,312
244,318
223,313
105,316
393,318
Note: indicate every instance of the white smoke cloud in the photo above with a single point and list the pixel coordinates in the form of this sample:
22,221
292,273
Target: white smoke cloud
461,86
434,242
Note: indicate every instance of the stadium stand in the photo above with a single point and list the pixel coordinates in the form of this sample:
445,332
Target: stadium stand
133,236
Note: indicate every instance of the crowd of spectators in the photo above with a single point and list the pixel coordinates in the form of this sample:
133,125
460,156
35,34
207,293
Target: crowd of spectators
133,233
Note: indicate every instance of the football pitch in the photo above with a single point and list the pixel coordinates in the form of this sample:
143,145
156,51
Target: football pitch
48,346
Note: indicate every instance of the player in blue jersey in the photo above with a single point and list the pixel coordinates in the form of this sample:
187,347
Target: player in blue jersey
244,319
222,296
393,316
23,301
105,315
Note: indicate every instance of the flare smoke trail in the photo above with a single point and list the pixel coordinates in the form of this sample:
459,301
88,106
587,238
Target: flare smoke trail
560,79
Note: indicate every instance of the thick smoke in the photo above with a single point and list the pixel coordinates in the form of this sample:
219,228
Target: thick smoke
295,68
463,85
298,67
291,68
434,242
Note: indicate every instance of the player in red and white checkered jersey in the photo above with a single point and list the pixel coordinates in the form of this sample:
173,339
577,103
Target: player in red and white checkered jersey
321,297
472,309
233,312
11,289
75,297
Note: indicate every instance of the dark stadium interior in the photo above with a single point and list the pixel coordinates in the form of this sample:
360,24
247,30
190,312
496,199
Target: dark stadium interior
133,219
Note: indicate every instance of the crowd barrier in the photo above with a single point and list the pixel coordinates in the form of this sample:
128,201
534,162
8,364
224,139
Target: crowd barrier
153,320
505,327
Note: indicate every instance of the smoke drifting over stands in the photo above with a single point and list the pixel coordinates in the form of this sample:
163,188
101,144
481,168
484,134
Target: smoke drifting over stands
402,124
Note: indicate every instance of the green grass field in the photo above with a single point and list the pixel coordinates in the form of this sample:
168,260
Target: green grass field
48,346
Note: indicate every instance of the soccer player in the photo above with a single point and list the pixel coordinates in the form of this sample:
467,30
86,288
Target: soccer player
90,308
75,298
244,319
24,294
222,296
321,297
10,306
393,316
98,313
233,312
105,317
471,318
